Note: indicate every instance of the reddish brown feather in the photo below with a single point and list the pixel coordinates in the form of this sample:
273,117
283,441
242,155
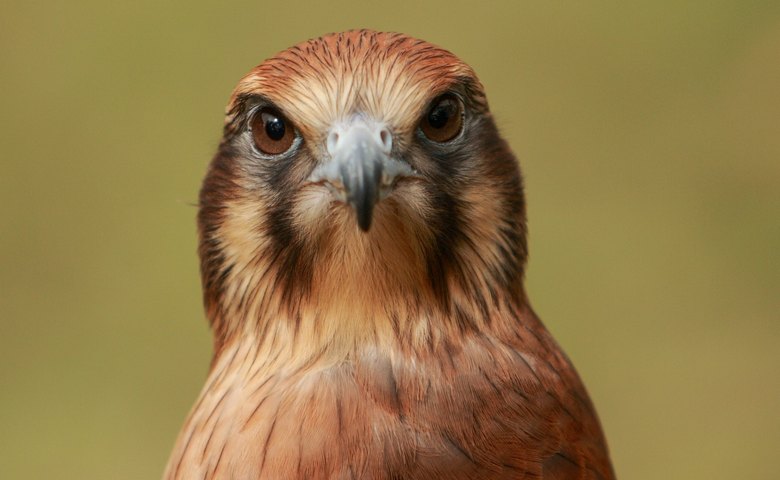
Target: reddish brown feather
373,371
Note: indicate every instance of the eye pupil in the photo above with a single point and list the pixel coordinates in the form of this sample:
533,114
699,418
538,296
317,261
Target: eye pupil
439,116
274,128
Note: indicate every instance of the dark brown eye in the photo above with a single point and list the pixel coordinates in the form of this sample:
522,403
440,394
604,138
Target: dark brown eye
272,133
444,119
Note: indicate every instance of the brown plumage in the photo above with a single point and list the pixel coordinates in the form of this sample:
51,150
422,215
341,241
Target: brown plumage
362,244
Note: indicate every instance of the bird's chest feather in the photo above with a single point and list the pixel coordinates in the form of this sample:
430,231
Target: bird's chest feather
374,415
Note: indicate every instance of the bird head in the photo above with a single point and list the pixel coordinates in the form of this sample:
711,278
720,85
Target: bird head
360,181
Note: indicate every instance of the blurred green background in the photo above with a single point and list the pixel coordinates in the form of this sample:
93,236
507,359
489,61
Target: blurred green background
649,134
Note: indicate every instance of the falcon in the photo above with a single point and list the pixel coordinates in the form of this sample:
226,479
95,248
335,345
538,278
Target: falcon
362,244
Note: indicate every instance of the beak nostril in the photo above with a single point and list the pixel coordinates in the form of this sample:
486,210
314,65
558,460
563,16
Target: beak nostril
387,139
333,141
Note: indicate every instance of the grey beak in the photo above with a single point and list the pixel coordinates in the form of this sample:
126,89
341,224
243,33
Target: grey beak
360,171
361,174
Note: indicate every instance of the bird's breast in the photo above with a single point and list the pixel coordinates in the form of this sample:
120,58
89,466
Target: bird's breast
475,408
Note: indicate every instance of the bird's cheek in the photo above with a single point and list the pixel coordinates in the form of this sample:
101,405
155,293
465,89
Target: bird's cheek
413,200
310,211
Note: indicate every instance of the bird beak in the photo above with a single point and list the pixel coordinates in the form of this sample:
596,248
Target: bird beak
360,171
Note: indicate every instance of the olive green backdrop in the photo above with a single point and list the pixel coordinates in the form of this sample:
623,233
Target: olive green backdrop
649,134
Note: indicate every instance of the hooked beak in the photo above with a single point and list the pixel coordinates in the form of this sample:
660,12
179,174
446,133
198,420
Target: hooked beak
360,171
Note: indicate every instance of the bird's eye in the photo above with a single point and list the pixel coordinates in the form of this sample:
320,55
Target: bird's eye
272,133
444,119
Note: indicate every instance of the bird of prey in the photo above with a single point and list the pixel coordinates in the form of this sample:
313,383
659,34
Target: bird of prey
362,245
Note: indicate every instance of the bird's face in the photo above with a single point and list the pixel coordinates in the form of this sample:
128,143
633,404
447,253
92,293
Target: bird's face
365,163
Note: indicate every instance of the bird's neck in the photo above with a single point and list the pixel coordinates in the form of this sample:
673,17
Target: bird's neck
363,291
